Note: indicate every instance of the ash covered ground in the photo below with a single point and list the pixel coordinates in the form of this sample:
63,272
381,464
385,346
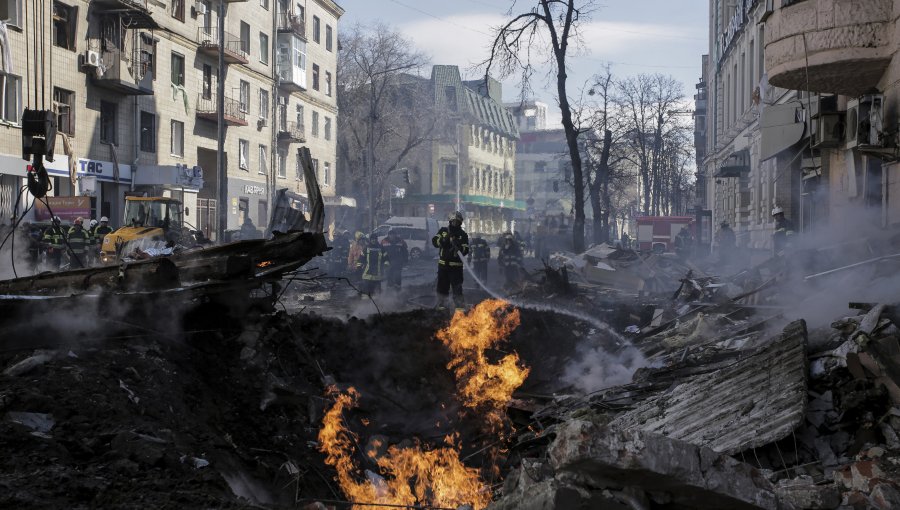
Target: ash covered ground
226,414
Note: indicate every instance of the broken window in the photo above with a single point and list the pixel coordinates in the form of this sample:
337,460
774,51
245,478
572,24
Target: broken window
177,69
243,154
64,24
108,114
177,141
63,102
178,9
148,132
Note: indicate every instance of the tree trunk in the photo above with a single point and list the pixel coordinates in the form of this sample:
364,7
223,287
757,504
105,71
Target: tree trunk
574,153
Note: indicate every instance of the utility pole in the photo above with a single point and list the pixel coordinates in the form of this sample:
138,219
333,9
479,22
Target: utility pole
221,169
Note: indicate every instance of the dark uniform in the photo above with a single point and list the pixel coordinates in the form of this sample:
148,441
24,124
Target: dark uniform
398,254
479,256
451,241
510,260
79,243
53,244
340,251
684,243
373,262
784,229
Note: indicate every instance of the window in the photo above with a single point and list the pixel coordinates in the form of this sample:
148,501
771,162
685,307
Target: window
316,76
315,124
317,29
262,209
11,88
299,166
449,175
177,69
63,100
282,164
148,55
178,9
328,36
315,167
148,132
300,121
264,4
64,24
263,164
264,48
243,154
11,11
108,122
327,83
263,104
177,141
245,96
326,174
301,11
540,166
245,37
328,128
207,81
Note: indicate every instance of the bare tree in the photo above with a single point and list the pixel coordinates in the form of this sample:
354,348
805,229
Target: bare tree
511,52
383,115
650,107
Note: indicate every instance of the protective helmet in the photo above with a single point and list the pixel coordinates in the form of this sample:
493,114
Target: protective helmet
359,235
104,219
777,210
93,223
456,215
79,221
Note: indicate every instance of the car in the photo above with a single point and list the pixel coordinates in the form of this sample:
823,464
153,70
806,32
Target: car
417,232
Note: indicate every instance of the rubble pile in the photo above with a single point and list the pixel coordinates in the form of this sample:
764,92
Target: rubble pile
728,416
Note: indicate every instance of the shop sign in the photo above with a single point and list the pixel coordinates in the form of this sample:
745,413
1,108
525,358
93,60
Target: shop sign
252,189
67,208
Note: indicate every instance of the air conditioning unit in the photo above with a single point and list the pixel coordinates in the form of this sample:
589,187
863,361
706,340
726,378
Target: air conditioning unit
828,130
200,8
865,121
91,59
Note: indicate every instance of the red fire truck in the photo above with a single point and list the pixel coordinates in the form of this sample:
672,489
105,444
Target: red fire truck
657,233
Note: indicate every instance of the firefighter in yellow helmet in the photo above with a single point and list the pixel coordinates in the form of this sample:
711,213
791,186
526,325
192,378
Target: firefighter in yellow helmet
452,243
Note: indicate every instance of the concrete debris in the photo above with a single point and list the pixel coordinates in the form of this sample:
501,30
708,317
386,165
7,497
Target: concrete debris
30,363
38,422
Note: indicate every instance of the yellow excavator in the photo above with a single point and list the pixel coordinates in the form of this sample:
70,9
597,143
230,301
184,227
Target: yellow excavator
153,218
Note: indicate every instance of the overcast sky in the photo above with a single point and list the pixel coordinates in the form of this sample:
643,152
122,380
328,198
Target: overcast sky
635,36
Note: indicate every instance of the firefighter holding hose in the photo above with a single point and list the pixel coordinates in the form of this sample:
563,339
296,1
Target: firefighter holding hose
452,243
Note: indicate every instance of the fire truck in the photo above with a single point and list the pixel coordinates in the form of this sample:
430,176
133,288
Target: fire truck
657,233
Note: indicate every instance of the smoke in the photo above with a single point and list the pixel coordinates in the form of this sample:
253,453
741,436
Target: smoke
594,368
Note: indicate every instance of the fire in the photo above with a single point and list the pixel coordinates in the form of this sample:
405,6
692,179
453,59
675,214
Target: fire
409,476
265,263
481,384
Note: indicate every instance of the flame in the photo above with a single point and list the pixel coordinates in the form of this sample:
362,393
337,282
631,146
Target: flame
418,475
481,384
265,263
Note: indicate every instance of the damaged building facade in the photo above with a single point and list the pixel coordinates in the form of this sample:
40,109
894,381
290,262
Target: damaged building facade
846,55
134,87
470,164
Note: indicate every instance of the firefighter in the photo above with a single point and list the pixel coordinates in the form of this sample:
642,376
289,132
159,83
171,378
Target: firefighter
451,242
52,242
479,256
33,238
784,231
398,254
101,231
354,253
79,241
684,243
340,252
510,260
372,262
727,242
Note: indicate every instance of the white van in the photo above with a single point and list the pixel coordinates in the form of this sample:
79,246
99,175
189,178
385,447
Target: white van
417,232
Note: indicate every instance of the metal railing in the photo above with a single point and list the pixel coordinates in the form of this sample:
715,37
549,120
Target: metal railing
208,37
207,107
291,131
293,22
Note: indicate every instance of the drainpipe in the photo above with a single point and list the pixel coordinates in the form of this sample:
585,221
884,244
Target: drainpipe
273,106
221,170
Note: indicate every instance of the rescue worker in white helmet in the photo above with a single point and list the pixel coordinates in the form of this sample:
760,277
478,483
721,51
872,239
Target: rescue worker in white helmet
452,243
784,229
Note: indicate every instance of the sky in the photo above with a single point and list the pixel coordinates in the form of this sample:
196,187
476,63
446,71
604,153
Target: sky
633,36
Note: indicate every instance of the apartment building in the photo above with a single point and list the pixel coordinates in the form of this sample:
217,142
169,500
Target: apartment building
846,54
746,174
470,164
134,86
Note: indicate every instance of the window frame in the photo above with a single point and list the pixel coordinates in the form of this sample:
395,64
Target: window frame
328,83
172,151
8,81
178,9
326,127
69,128
317,29
326,174
245,43
72,26
18,20
314,129
148,144
282,164
175,58
107,108
264,48
329,46
206,84
244,154
244,94
315,76
263,160
264,104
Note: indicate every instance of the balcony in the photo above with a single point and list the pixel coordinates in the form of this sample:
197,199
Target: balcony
291,132
235,52
135,10
289,22
207,110
113,71
848,44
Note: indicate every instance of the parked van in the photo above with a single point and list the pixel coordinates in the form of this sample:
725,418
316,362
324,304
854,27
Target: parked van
417,232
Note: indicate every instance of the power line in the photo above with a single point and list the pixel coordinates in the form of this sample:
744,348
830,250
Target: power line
435,16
